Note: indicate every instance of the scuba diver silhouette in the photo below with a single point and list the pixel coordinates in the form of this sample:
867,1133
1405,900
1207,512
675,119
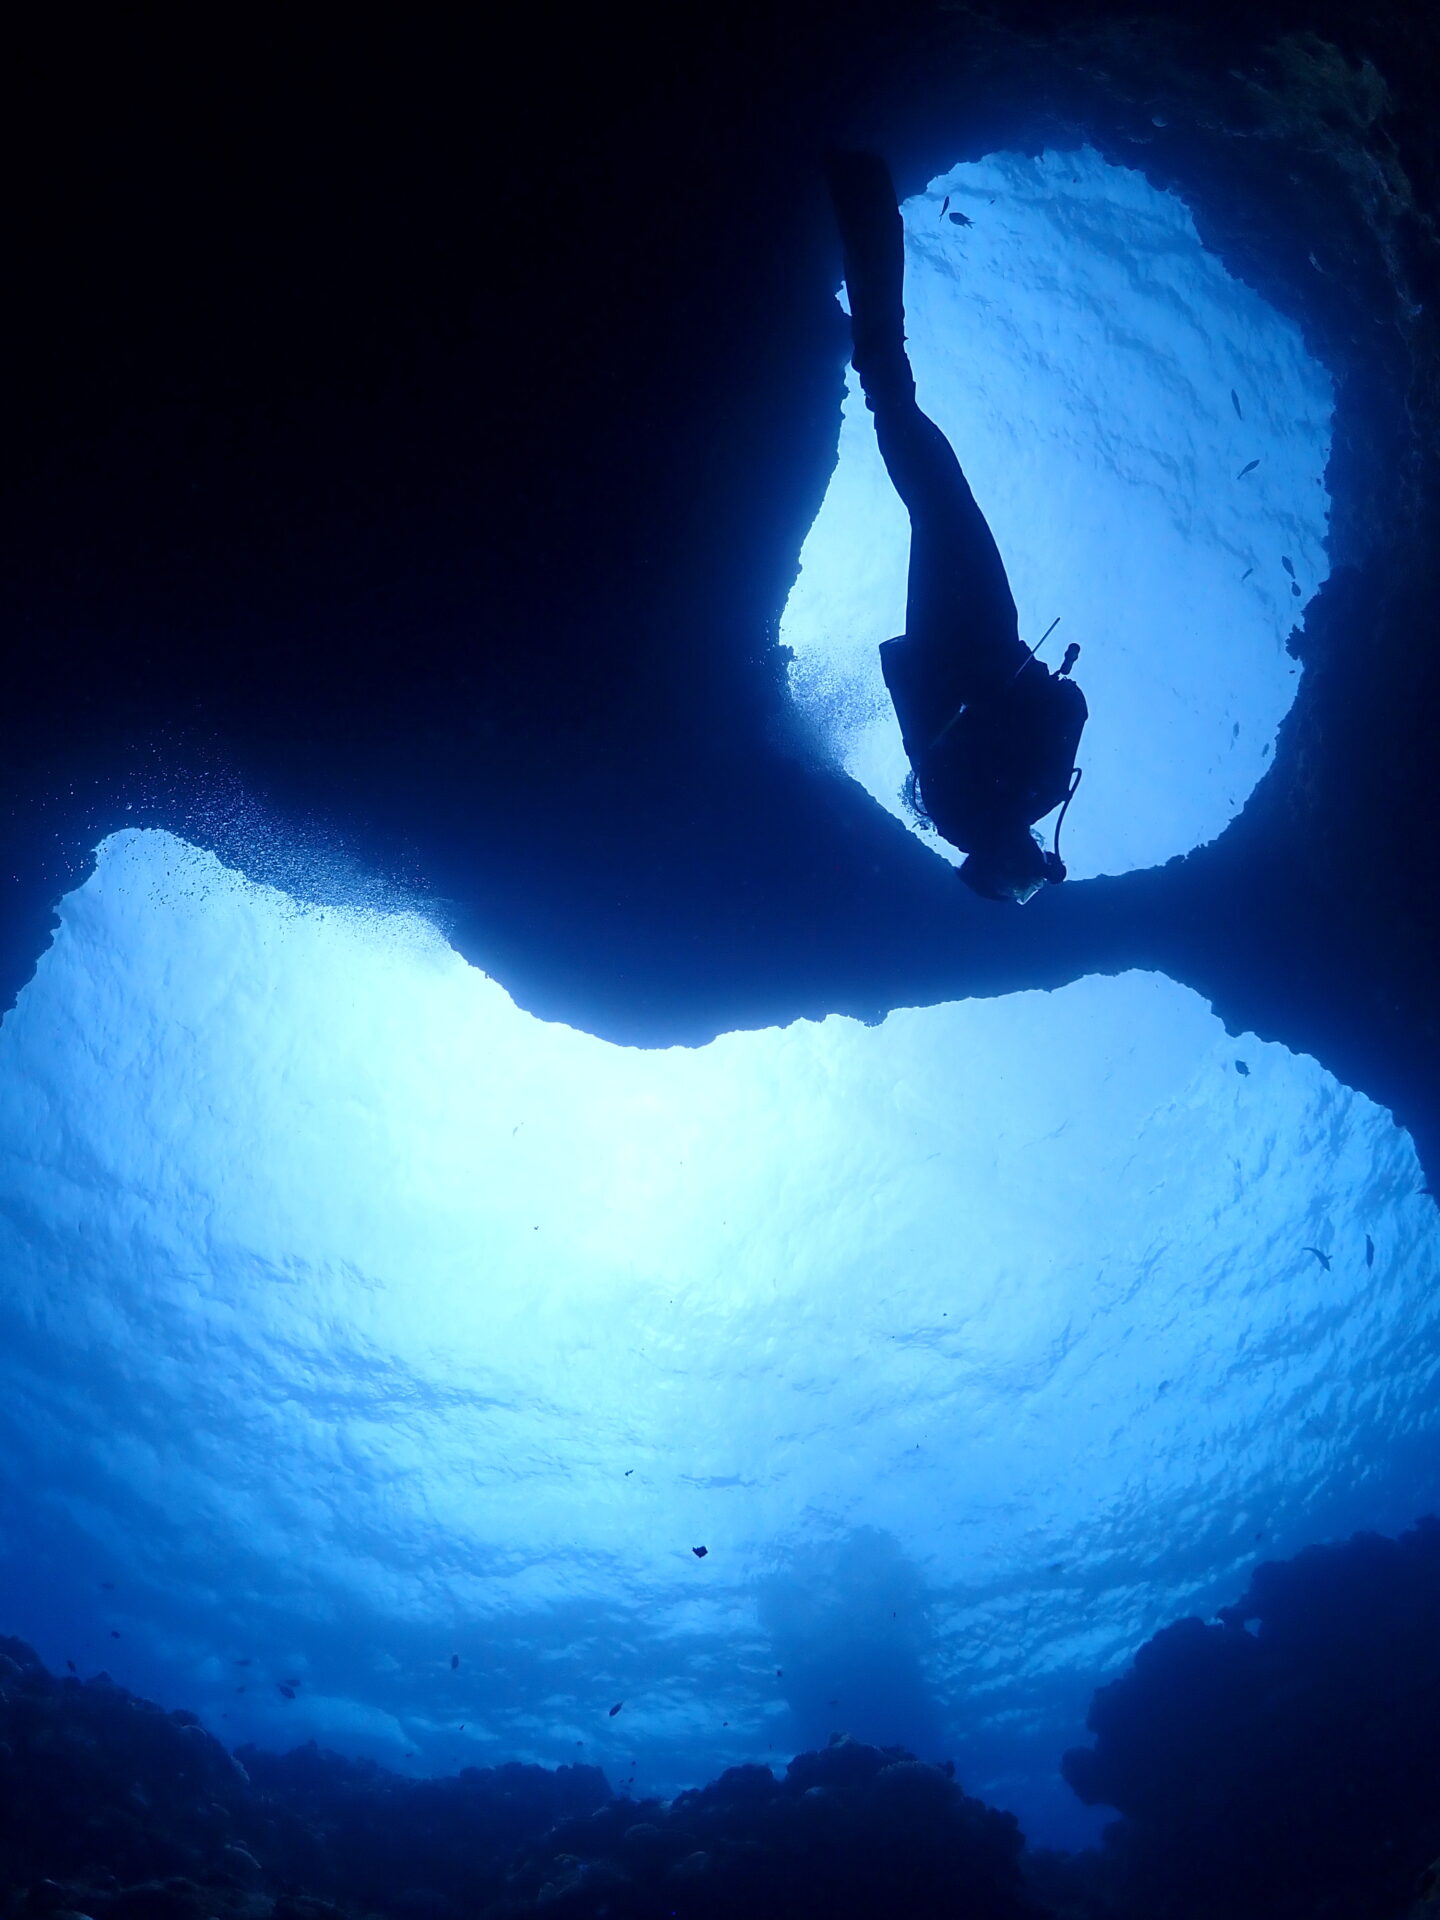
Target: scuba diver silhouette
991,734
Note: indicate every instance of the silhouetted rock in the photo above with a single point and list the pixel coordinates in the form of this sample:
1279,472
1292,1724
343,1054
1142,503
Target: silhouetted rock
112,1807
92,1776
1285,1761
850,1830
351,1830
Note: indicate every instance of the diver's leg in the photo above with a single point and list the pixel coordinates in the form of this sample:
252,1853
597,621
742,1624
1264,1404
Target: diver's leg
959,595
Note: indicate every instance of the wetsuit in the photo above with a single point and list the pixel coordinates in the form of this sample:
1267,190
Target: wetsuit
1007,759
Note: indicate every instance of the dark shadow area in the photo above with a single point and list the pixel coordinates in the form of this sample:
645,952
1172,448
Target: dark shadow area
414,432
1285,1761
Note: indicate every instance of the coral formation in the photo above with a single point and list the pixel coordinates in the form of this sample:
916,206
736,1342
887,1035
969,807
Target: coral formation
1280,1763
850,1830
112,1806
1284,1761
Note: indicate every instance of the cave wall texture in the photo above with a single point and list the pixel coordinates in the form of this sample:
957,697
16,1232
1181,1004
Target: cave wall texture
414,431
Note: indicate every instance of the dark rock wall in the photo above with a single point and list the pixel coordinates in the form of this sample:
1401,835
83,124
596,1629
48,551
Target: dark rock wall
1284,1760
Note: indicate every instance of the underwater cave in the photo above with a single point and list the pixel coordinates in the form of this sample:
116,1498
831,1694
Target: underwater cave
538,1222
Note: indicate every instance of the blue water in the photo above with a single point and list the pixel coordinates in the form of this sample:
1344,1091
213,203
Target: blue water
356,1319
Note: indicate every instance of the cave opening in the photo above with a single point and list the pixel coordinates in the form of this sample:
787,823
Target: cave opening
1149,440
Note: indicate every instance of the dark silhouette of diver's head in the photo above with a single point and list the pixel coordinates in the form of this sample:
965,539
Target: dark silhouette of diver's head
1012,867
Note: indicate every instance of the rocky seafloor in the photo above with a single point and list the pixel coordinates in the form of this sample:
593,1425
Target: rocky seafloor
1282,1760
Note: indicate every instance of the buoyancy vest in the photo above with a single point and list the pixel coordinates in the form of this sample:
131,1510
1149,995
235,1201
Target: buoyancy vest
1005,760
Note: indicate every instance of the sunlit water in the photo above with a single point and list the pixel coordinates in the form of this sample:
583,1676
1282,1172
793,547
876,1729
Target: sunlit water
353,1318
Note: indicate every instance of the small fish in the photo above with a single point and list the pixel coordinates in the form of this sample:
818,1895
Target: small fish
1323,1258
779,1673
454,1661
628,1472
1240,1067
1249,467
72,1666
944,206
1246,575
699,1552
1288,564
1235,402
1058,1567
114,1635
107,1586
959,219
288,1691
240,1663
240,1689
1369,1251
1235,731
1294,591
462,1726
615,1709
